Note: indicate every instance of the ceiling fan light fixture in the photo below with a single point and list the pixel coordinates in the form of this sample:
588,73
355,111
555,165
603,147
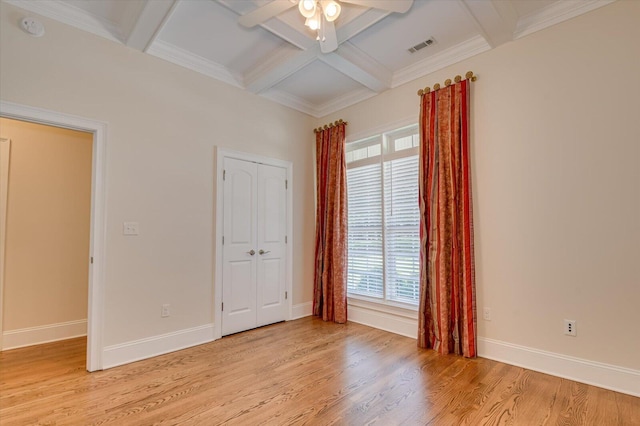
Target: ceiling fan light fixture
331,9
307,8
313,22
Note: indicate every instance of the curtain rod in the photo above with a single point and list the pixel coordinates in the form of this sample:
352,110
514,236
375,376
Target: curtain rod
330,125
469,76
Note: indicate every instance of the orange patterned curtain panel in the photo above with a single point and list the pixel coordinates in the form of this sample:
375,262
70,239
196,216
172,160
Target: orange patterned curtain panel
330,281
447,311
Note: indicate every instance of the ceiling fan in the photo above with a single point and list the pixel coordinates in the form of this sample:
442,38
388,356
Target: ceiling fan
319,15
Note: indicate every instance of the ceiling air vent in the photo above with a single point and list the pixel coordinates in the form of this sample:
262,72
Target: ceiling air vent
419,46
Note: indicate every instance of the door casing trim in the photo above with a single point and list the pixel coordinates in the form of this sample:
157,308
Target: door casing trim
5,149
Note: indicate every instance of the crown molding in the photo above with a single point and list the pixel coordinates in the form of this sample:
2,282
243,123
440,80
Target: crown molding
74,16
440,60
317,111
554,14
348,99
291,101
178,56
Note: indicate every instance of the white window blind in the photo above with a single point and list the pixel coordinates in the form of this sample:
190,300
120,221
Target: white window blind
383,217
402,229
364,266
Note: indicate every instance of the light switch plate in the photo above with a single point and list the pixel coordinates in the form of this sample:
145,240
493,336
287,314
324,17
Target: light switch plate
130,228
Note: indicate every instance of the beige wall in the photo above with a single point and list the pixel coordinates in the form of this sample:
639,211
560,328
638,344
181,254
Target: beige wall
556,168
163,122
48,215
555,157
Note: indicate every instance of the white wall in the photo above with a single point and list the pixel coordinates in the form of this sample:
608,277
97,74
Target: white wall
556,168
163,124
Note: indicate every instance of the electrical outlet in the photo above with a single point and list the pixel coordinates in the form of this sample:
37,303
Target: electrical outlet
570,328
130,228
486,314
164,312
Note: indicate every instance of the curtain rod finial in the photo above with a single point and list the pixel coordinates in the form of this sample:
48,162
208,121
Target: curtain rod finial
330,125
457,79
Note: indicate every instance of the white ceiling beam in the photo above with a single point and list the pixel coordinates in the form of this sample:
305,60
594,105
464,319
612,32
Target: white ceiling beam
495,20
290,34
360,23
359,66
149,23
274,25
279,66
347,59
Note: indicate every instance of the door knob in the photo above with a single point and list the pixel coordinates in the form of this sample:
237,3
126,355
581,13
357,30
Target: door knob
252,252
264,252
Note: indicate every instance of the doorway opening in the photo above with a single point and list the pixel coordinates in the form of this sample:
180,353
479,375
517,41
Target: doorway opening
47,210
93,248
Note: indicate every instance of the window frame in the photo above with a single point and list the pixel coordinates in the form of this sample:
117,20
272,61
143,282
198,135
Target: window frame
387,153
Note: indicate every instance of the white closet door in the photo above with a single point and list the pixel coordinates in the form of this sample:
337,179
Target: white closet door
239,265
271,256
254,251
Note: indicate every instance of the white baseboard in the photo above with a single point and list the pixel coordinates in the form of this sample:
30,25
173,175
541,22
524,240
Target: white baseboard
386,321
43,334
301,310
149,347
594,373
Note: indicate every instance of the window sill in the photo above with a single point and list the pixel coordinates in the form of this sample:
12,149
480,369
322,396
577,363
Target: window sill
398,309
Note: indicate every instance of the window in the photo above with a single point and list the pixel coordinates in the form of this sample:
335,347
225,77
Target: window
384,217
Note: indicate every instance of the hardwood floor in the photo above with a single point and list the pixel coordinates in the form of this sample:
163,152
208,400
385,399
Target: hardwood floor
300,372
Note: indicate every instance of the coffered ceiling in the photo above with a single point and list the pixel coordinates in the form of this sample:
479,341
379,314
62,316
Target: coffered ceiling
281,59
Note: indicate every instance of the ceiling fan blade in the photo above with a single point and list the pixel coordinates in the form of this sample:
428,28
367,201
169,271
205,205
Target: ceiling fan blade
399,6
264,13
330,41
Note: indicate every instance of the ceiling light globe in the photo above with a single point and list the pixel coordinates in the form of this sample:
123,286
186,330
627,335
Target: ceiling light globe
313,23
307,8
331,9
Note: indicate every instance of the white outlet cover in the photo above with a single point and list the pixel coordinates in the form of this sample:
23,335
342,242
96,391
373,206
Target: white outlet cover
486,314
130,228
570,327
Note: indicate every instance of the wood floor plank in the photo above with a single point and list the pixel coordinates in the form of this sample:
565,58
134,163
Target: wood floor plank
303,372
